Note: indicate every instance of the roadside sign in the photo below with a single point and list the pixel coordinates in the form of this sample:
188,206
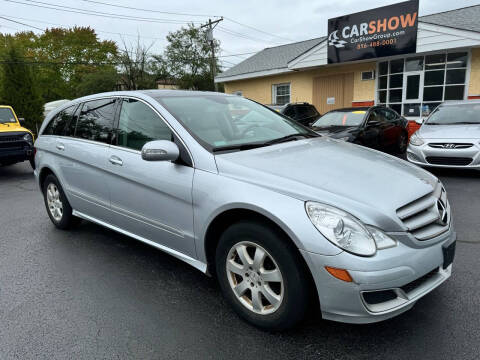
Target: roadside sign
385,31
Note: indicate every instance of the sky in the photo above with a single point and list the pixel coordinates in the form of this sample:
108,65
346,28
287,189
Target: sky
248,25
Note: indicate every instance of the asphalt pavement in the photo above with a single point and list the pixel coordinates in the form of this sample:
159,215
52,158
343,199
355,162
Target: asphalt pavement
91,293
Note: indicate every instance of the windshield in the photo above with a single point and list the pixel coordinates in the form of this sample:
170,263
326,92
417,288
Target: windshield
6,116
455,114
219,122
341,118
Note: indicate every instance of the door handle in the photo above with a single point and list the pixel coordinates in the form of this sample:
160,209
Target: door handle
60,146
115,160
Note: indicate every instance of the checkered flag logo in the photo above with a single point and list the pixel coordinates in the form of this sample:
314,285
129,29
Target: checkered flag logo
333,40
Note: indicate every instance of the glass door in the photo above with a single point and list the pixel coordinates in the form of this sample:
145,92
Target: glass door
412,95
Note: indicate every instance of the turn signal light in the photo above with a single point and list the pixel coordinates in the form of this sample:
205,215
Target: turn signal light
340,274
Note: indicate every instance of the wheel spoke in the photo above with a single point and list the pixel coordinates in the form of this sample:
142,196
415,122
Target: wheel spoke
49,194
271,275
235,268
257,300
243,255
241,288
258,258
272,298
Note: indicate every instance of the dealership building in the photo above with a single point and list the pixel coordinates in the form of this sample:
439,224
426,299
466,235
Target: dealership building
373,57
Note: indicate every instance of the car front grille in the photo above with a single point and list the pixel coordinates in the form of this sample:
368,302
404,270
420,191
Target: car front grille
445,160
10,138
428,216
450,145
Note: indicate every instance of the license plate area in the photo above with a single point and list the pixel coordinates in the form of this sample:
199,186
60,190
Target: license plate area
448,254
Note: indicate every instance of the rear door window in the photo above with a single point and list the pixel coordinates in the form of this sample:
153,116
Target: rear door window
58,124
95,121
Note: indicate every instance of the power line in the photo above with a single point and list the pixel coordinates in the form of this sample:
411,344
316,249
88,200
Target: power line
233,33
69,9
148,10
185,14
256,29
18,22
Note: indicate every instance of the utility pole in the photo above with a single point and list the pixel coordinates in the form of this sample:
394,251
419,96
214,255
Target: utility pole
211,25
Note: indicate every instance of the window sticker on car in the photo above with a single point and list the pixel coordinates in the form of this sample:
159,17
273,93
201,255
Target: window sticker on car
359,112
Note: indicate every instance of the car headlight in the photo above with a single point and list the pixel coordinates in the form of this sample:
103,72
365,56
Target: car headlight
345,231
345,138
28,138
382,240
416,140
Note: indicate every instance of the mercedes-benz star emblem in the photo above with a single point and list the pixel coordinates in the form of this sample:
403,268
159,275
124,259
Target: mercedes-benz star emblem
442,212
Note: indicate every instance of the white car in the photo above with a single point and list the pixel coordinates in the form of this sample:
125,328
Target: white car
449,138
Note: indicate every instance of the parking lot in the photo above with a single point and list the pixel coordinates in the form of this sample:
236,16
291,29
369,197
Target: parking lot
92,293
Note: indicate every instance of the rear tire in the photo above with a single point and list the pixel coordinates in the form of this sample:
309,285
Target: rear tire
32,163
57,205
262,276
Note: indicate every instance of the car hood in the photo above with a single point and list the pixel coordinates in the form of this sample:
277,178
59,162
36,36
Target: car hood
367,183
13,127
450,131
337,131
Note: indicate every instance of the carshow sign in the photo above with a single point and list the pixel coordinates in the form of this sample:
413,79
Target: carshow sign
385,31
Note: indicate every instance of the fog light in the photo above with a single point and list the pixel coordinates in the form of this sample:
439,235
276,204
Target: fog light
340,274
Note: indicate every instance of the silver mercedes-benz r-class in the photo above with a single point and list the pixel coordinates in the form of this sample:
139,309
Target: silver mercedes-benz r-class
284,218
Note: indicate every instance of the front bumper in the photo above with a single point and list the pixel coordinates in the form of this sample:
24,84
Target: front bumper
420,155
15,155
403,273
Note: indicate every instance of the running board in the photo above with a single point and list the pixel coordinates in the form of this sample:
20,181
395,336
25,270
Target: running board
189,260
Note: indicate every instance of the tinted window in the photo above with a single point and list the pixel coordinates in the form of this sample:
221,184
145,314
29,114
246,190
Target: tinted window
6,116
96,120
290,112
139,124
72,124
57,125
388,114
305,111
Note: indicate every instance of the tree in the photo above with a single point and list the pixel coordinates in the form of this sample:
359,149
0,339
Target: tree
187,58
19,88
63,57
102,80
135,63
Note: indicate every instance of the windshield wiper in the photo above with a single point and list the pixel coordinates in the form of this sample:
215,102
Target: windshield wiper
239,147
282,139
289,138
464,123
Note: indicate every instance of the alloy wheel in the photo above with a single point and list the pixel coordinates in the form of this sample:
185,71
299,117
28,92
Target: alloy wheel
55,205
255,278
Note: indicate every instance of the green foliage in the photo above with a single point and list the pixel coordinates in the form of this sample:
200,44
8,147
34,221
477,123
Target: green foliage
19,90
102,80
63,58
187,59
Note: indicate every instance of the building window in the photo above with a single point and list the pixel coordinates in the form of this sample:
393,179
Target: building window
368,75
280,94
415,86
238,93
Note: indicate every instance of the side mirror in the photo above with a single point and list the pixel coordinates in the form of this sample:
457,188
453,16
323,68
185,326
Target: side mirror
419,121
160,150
22,122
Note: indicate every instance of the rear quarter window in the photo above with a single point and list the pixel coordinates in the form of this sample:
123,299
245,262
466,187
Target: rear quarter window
58,124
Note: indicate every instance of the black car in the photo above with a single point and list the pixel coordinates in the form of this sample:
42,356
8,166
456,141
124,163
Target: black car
377,127
304,113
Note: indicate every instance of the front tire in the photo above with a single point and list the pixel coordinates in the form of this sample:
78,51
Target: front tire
58,207
262,276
